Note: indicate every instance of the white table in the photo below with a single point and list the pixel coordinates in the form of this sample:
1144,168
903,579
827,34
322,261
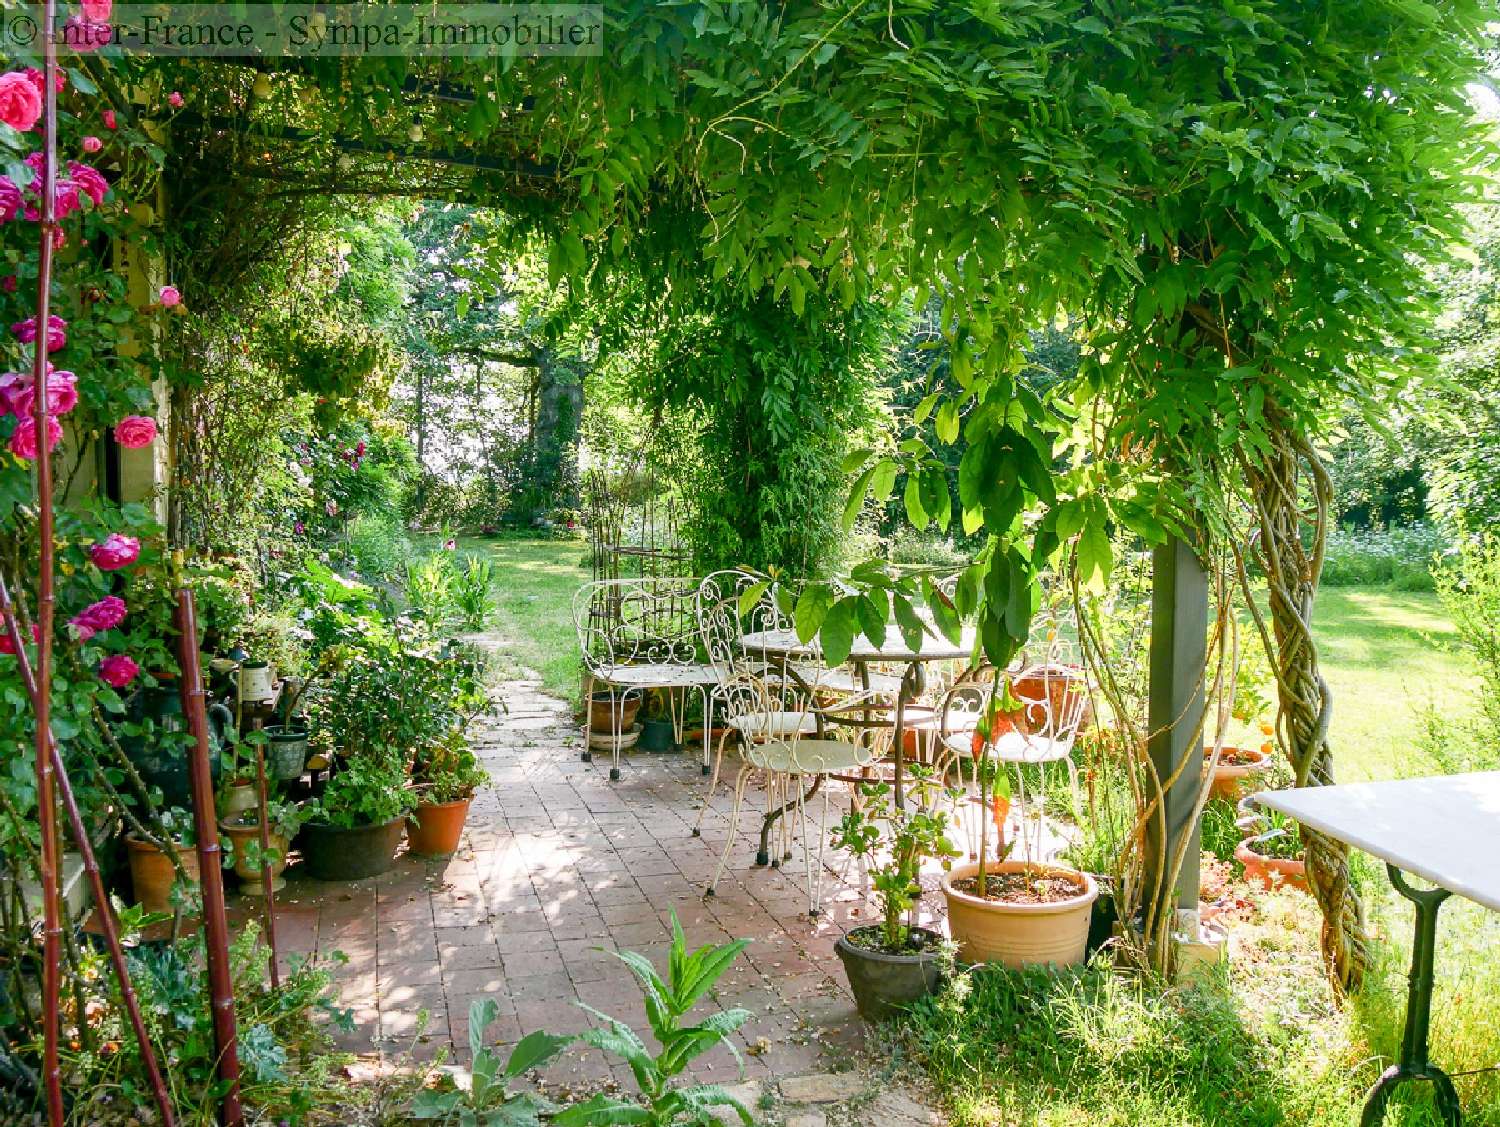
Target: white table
1445,830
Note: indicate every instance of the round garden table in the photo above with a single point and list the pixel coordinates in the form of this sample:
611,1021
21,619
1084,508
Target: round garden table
784,645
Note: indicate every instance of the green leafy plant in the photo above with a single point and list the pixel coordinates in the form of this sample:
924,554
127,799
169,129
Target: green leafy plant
431,585
488,1101
1276,835
447,770
690,976
893,843
365,791
471,592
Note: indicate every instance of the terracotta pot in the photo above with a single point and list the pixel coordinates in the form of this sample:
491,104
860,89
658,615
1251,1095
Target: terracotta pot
238,799
1268,872
1032,717
250,879
1233,781
433,831
603,707
152,874
884,984
990,931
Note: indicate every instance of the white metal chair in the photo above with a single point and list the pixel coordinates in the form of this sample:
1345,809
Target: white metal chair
638,635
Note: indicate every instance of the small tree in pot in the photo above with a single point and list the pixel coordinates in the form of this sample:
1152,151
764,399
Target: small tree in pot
445,777
894,962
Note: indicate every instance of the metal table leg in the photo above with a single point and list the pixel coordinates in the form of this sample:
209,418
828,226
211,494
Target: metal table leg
1414,1064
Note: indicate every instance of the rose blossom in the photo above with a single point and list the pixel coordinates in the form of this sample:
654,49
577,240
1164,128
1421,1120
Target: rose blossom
9,647
23,442
10,199
118,670
57,331
83,34
169,296
38,79
116,551
106,614
19,396
90,181
20,101
174,99
97,11
92,144
108,117
135,431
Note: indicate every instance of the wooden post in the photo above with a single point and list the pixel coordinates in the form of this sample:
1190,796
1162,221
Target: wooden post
1179,652
210,862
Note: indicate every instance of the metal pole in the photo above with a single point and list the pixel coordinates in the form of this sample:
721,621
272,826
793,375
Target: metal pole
96,878
1179,653
210,861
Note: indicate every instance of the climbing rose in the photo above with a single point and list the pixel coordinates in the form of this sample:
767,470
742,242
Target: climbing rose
115,552
57,331
118,670
23,442
89,181
92,144
18,396
20,101
106,614
83,34
9,647
38,79
97,11
10,199
108,117
174,99
135,431
170,296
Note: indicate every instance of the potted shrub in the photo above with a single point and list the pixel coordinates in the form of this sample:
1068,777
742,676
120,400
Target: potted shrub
152,872
1273,855
444,778
353,828
243,831
1019,913
893,963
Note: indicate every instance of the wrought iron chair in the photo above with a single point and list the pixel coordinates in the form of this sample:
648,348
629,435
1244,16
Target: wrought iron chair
638,635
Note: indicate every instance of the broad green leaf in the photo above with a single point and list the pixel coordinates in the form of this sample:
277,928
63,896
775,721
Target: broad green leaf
482,1013
913,498
602,1111
812,608
857,497
837,634
534,1049
750,597
884,481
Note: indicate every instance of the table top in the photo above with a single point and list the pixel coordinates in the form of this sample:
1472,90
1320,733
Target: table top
1444,829
784,643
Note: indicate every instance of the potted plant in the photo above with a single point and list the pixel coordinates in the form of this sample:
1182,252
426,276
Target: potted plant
657,730
893,963
1273,854
1022,912
444,778
353,828
152,871
1237,771
243,831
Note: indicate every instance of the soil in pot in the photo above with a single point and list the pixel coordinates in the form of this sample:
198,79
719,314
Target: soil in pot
604,706
1030,915
884,983
1236,773
152,874
333,853
434,830
242,834
1270,872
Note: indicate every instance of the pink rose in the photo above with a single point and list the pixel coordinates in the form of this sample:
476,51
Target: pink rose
174,99
359,449
8,646
299,528
450,544
89,181
108,117
19,397
169,296
135,431
10,199
118,670
97,11
106,614
83,34
9,283
38,79
23,442
92,144
115,552
20,101
57,331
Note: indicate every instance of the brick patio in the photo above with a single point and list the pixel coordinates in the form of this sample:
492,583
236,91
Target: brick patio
558,862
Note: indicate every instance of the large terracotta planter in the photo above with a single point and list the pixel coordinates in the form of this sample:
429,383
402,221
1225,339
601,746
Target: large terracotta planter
152,874
884,984
1232,781
1268,872
250,875
332,853
434,830
993,931
603,708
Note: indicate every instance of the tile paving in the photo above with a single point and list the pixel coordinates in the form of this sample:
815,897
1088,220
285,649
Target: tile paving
557,863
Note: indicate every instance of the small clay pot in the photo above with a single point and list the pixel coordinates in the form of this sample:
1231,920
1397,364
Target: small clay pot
603,707
1268,872
885,984
434,830
237,799
1232,781
286,752
152,874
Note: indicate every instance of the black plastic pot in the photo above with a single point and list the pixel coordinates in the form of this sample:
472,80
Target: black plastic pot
884,984
1103,915
656,735
331,853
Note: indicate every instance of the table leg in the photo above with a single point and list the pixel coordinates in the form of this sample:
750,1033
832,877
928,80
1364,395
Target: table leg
1414,1064
763,854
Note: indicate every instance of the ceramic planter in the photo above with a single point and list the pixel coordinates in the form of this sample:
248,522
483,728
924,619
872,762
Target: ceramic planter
242,834
257,681
994,931
332,853
152,874
434,830
286,752
237,799
605,707
1268,872
1232,781
884,984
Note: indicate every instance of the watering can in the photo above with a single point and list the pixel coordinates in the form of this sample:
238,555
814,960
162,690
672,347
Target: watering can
161,756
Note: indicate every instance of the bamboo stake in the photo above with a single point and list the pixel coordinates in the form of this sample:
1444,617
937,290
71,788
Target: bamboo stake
267,881
96,878
210,870
41,417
